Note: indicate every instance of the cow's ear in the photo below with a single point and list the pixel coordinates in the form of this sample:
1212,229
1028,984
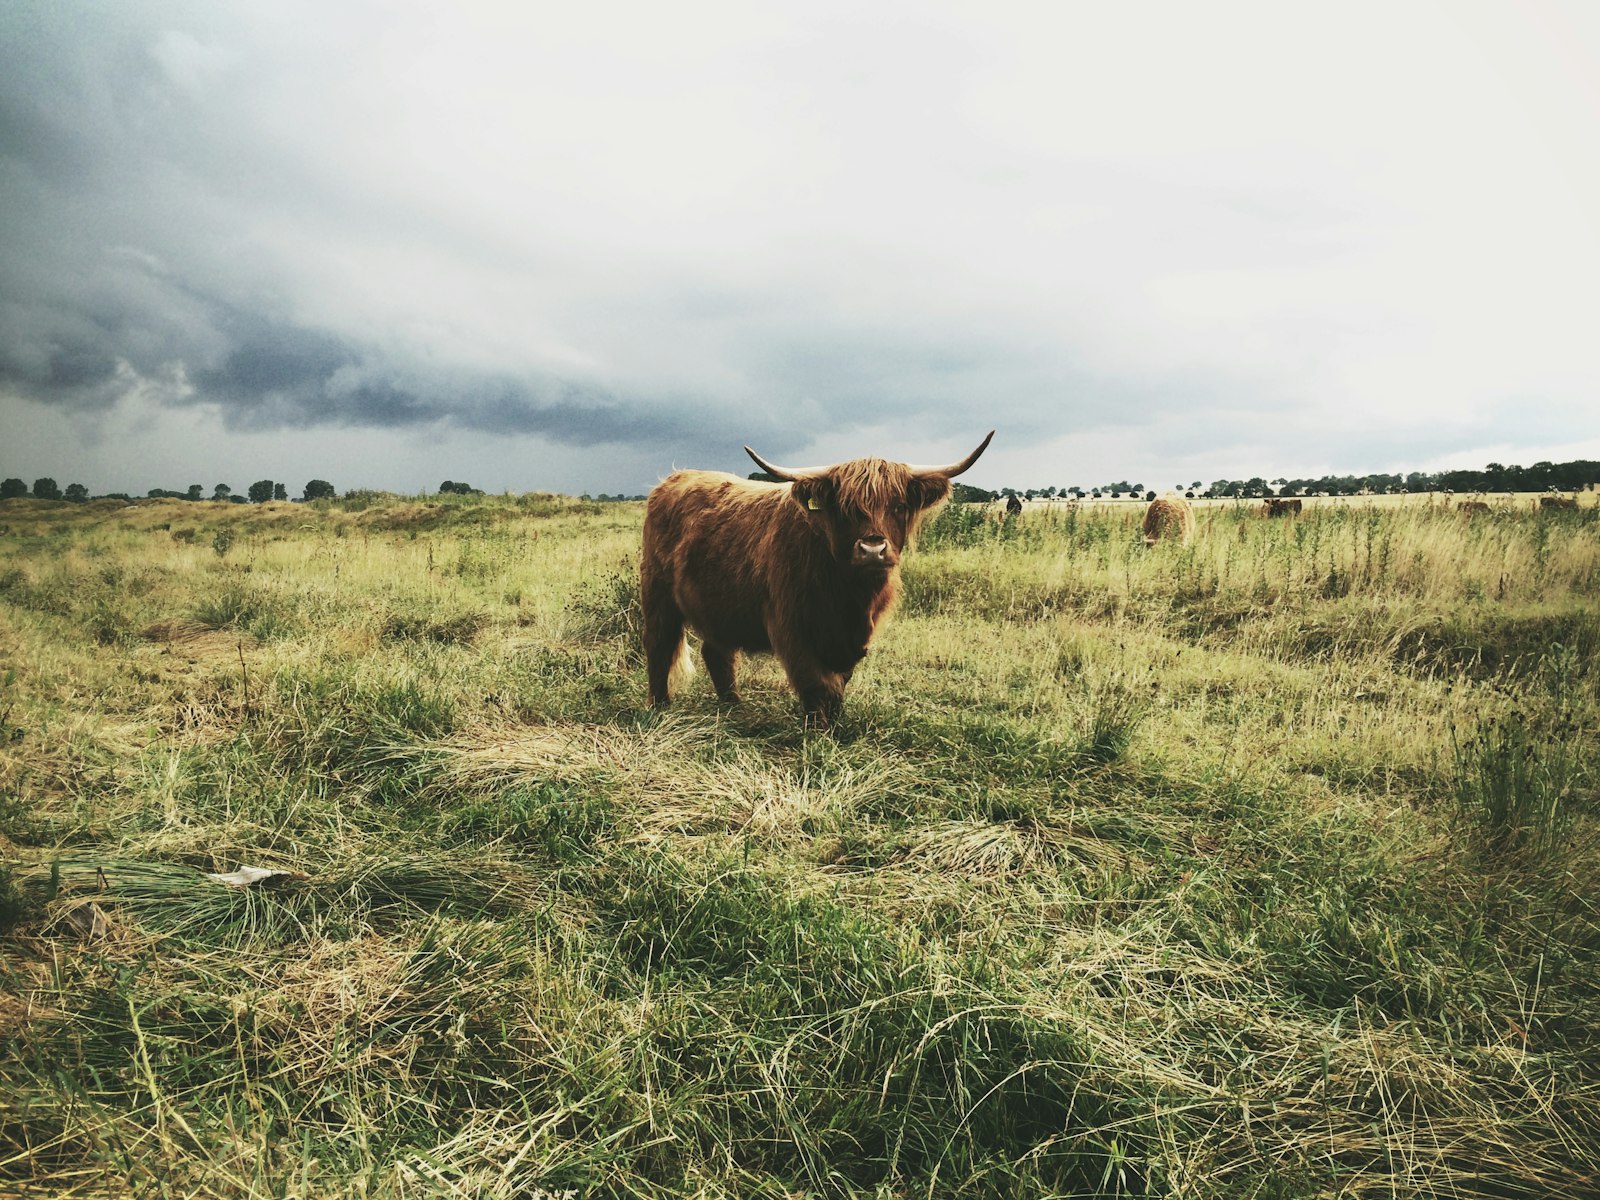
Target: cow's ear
814,494
927,491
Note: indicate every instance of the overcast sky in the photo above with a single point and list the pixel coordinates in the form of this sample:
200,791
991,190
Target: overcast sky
571,246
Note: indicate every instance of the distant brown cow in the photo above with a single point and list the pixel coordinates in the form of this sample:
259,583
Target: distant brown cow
1168,520
1558,502
806,569
1283,508
1471,508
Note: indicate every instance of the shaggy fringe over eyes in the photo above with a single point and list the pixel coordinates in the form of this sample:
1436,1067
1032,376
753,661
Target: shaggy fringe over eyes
872,485
875,485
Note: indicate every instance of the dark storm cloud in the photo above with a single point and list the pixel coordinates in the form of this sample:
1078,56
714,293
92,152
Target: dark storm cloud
121,188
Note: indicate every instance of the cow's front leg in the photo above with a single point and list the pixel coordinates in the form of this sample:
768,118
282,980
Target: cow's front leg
719,665
821,693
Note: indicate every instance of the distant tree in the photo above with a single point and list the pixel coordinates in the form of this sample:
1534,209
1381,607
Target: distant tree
260,491
193,493
12,488
46,489
77,493
320,489
965,493
221,492
460,489
280,492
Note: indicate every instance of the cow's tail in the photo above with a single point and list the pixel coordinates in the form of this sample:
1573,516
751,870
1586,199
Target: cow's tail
682,665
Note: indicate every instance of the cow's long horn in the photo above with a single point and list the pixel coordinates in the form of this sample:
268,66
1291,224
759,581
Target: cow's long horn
955,469
789,473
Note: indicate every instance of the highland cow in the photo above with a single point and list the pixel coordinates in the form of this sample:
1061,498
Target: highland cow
806,569
1168,520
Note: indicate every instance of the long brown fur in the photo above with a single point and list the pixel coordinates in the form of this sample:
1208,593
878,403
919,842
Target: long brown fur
755,567
1168,520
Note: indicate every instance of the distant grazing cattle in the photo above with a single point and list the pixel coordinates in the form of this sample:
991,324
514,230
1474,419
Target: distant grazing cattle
806,568
1471,508
1168,520
1149,495
1558,502
1282,508
1013,505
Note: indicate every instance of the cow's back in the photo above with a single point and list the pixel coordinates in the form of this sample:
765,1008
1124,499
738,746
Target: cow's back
713,542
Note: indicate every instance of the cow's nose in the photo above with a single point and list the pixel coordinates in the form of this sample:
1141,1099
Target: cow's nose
872,549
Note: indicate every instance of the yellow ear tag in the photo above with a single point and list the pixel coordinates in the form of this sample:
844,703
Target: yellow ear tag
813,506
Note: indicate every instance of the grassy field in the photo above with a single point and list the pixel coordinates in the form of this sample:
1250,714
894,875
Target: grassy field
1260,868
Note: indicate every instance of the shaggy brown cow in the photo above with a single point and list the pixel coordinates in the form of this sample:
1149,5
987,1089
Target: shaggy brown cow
1283,508
1168,519
1470,508
806,569
1557,502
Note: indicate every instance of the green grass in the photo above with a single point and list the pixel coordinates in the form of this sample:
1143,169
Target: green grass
1255,868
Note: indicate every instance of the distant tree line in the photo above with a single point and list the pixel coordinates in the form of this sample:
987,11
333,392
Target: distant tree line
259,492
1576,475
1540,477
1496,477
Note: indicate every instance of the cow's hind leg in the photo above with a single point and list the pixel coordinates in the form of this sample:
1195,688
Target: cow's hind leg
720,666
663,639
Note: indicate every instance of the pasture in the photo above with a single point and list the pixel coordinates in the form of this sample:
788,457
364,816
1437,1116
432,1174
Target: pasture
1261,867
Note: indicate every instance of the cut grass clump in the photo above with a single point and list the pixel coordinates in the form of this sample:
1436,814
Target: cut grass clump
1115,711
179,904
563,821
457,629
1513,779
242,604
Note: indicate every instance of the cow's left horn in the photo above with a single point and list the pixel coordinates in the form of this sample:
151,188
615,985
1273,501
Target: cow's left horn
955,469
789,473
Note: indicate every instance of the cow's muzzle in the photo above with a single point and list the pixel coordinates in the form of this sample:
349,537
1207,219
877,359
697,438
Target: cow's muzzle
874,552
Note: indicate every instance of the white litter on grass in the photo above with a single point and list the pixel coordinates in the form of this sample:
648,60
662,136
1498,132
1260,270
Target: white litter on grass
245,876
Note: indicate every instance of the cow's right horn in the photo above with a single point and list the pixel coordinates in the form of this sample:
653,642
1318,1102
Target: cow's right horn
789,473
955,469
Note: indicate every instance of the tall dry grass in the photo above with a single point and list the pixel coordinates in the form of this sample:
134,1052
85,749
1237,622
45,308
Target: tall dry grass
1257,867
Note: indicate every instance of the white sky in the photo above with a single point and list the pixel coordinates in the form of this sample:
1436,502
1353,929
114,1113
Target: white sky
571,246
